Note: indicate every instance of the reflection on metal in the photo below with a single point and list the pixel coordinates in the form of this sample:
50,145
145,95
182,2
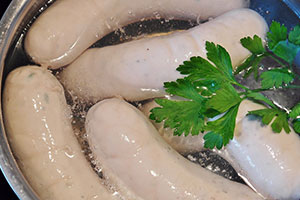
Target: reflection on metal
294,5
16,18
11,25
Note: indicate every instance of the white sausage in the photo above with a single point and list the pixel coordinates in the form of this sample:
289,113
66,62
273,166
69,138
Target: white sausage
38,124
268,161
69,27
191,143
129,146
137,70
182,144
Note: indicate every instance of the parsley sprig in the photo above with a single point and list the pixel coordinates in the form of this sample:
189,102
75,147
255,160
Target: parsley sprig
210,89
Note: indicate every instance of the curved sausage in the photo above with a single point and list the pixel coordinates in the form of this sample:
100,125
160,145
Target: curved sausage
38,124
136,70
268,161
124,140
68,27
191,143
182,144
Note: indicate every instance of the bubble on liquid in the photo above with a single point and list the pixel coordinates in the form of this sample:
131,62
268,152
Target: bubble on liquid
69,151
94,197
198,19
131,13
68,181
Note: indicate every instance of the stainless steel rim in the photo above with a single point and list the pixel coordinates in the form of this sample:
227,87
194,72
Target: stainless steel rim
8,27
293,5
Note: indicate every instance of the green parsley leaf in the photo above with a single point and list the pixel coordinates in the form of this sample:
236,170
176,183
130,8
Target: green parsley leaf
260,97
294,35
255,45
295,112
183,116
281,118
209,89
276,78
224,127
183,88
276,34
250,65
296,125
246,64
266,114
200,69
225,98
282,47
197,68
220,57
254,67
286,51
206,87
211,113
213,140
281,122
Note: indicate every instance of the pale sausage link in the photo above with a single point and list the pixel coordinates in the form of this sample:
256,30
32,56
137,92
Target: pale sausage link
136,70
127,144
38,124
68,27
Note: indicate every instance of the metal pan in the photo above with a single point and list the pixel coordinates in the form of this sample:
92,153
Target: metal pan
12,28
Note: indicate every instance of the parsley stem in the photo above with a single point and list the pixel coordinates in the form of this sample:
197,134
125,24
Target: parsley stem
266,89
260,89
291,87
254,91
278,61
241,86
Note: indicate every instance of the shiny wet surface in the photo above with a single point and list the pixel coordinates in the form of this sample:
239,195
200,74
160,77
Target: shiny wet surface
270,9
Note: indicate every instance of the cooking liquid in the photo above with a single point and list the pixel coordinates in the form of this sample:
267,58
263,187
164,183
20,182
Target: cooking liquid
206,158
145,28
